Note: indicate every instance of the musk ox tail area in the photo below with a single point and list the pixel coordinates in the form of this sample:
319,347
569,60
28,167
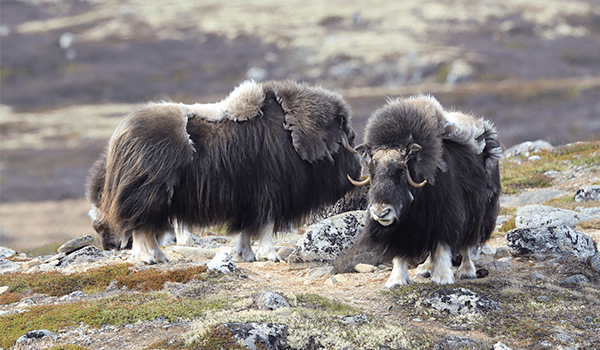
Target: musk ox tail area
144,159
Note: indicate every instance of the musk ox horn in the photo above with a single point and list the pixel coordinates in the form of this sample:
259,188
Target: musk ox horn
365,181
347,145
412,182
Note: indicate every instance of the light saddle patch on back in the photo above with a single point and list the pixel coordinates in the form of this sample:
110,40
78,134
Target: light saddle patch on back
242,104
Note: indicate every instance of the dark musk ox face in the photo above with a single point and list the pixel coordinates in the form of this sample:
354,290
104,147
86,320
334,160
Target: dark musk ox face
391,181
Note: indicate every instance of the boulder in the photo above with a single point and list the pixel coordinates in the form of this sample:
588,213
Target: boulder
36,334
75,244
459,301
222,262
268,301
532,216
595,262
526,148
259,335
352,201
588,193
549,240
6,252
84,255
326,240
7,266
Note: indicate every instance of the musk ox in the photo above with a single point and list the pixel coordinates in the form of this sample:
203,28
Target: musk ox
258,161
435,185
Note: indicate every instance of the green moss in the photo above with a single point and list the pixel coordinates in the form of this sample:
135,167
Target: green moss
119,310
508,225
315,301
94,280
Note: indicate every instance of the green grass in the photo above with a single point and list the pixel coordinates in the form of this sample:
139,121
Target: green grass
94,280
516,177
118,310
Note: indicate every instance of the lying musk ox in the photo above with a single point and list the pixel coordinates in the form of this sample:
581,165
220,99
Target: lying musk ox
258,161
435,185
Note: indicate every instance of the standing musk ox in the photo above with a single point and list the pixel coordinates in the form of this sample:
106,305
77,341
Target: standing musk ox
258,161
435,185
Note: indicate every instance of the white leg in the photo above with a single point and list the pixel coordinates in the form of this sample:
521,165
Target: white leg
399,276
183,236
154,248
424,269
466,270
139,251
442,265
242,251
266,250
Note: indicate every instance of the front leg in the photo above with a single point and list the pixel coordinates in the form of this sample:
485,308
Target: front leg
266,250
424,269
442,265
139,251
399,276
183,235
242,251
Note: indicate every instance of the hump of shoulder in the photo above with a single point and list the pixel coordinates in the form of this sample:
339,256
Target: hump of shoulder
244,103
318,119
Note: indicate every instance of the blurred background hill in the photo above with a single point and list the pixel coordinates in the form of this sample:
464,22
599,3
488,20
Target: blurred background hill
70,69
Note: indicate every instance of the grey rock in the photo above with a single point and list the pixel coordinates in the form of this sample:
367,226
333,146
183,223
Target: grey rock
319,271
549,240
356,320
459,301
452,343
364,268
487,250
595,262
193,253
222,262
575,280
532,216
85,255
212,242
75,244
526,148
500,346
563,338
536,276
352,201
501,252
285,252
269,301
268,335
6,252
460,71
36,334
542,299
531,197
588,193
327,239
546,344
7,266
503,264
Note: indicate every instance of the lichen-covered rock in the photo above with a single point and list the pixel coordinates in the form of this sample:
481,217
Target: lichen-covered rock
452,343
327,239
352,201
76,243
36,334
6,252
84,255
268,335
588,193
575,280
528,147
7,266
595,262
268,301
222,262
459,301
536,215
549,240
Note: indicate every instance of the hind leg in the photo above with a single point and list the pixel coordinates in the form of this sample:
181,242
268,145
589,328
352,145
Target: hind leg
139,250
466,270
424,269
442,265
154,248
242,251
183,236
266,250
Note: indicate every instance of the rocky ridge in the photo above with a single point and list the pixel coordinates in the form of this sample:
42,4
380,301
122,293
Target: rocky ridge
548,262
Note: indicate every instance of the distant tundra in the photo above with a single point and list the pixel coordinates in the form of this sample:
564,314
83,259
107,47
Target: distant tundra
258,161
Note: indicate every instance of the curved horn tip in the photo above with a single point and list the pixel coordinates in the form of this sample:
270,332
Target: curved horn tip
417,185
363,182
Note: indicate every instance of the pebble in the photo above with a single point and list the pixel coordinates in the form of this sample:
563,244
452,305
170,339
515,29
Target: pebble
3,289
319,271
487,250
365,268
501,252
